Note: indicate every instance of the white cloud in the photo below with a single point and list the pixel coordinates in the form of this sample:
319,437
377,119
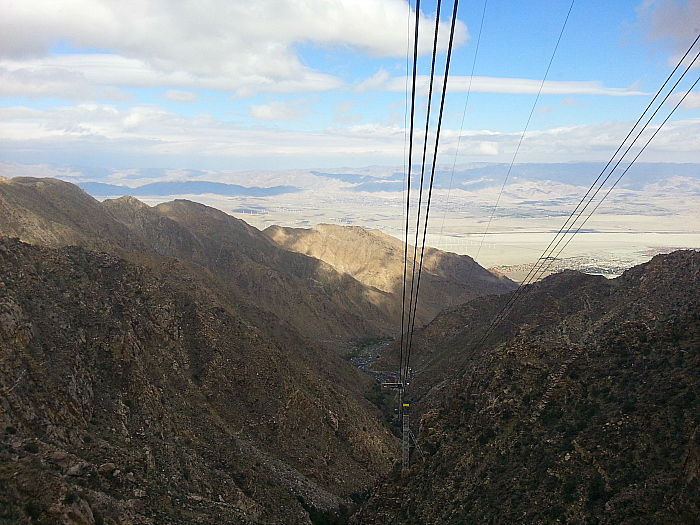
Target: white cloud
153,132
175,95
94,75
377,82
473,148
678,20
33,82
678,137
238,45
342,113
692,100
518,86
578,143
294,110
674,21
163,138
571,102
20,113
374,131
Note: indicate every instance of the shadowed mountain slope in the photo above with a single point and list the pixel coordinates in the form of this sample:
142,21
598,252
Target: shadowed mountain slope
583,408
140,396
331,283
377,260
162,365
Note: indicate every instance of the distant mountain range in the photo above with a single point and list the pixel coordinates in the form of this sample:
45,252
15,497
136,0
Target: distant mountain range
182,188
373,179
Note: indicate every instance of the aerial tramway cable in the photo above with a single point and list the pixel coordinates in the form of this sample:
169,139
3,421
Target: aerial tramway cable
408,315
408,192
627,168
617,164
432,171
413,300
415,280
522,135
548,254
464,116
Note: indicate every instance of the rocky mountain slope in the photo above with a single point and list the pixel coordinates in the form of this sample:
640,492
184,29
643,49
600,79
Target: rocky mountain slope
137,395
148,376
583,408
377,260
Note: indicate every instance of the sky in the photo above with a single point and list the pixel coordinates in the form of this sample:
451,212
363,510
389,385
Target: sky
302,84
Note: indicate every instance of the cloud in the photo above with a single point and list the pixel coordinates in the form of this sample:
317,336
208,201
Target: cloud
174,95
674,21
161,138
98,75
370,131
377,82
578,143
294,110
32,82
246,46
342,113
677,137
470,148
153,136
692,100
381,81
570,102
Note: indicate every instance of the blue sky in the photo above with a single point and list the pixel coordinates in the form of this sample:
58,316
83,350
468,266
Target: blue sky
303,84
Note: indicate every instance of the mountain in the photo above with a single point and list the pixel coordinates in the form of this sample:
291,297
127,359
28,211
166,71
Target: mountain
172,364
299,290
583,407
377,260
183,188
308,279
137,395
50,212
139,386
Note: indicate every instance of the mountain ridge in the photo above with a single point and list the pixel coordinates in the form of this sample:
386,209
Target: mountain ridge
328,304
377,260
583,410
